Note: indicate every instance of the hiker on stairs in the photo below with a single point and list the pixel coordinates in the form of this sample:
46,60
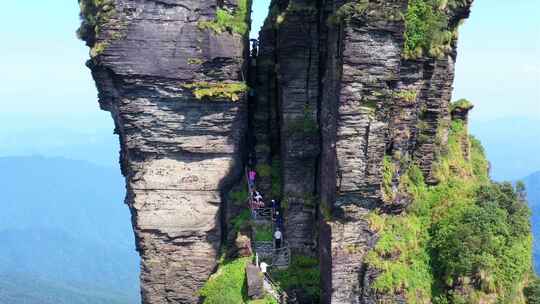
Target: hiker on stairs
257,197
278,219
251,178
277,238
264,267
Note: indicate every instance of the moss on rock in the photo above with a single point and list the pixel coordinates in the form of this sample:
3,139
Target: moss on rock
217,90
235,22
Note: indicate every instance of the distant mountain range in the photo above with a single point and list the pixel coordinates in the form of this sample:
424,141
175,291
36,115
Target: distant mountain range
65,234
99,146
532,183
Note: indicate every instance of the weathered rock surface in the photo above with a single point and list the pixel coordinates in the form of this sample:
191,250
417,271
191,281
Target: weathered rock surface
368,103
179,155
255,287
369,60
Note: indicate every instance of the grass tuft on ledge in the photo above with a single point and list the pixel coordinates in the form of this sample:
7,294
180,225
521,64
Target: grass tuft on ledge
463,104
217,90
228,285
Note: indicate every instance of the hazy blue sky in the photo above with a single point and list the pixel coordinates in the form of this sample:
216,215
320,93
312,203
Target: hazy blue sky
498,66
47,95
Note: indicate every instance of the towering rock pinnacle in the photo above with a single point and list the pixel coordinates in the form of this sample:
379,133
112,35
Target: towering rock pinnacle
172,78
380,107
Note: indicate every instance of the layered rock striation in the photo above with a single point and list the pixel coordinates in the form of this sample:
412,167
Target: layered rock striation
349,104
174,87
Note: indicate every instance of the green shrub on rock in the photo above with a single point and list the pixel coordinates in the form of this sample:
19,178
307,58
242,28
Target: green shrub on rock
217,90
426,30
225,21
532,291
303,273
464,240
461,104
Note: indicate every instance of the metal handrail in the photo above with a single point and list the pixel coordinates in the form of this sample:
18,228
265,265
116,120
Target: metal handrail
264,212
277,288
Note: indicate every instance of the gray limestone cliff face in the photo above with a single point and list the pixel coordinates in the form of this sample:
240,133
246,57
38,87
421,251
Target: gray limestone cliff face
288,77
377,105
179,154
298,82
363,64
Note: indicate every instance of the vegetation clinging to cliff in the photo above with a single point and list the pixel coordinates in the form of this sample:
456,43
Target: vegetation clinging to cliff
461,104
227,285
427,30
303,273
235,22
461,241
94,15
348,10
532,291
217,90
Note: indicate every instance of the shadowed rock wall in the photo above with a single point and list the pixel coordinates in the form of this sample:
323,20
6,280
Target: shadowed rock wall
362,66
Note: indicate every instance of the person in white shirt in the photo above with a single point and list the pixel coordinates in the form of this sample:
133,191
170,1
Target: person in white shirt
277,237
263,267
258,197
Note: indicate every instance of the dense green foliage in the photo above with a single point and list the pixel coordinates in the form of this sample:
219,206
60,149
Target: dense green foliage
263,233
239,196
303,273
486,244
401,253
462,241
348,10
532,291
461,104
427,31
217,90
225,21
239,193
94,15
389,170
264,170
228,285
241,220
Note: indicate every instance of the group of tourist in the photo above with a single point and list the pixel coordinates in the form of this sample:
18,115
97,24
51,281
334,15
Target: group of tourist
257,203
